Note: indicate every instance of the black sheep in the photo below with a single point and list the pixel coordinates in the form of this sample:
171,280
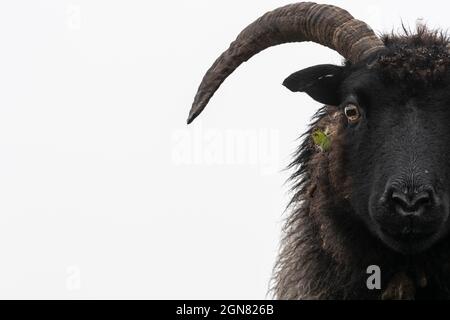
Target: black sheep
372,177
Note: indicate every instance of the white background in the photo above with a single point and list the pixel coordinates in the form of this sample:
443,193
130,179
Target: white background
104,191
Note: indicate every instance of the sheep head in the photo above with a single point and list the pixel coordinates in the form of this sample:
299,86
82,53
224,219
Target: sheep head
386,117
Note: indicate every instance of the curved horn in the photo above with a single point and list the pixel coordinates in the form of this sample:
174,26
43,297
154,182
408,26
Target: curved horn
305,21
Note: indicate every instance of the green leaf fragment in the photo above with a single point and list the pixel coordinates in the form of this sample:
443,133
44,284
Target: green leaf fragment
322,140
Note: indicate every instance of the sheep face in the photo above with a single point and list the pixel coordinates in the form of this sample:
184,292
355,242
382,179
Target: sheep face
395,143
389,134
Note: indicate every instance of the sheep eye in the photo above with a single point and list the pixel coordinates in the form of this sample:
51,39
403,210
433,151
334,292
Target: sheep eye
352,113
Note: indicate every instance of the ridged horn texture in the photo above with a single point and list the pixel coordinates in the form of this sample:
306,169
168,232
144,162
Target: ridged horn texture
305,21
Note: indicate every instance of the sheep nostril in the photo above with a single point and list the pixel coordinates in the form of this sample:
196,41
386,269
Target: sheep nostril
411,203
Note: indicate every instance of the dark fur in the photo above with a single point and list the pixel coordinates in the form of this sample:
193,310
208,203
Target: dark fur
326,250
421,57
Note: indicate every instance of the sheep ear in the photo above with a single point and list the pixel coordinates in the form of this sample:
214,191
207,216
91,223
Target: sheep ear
320,82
